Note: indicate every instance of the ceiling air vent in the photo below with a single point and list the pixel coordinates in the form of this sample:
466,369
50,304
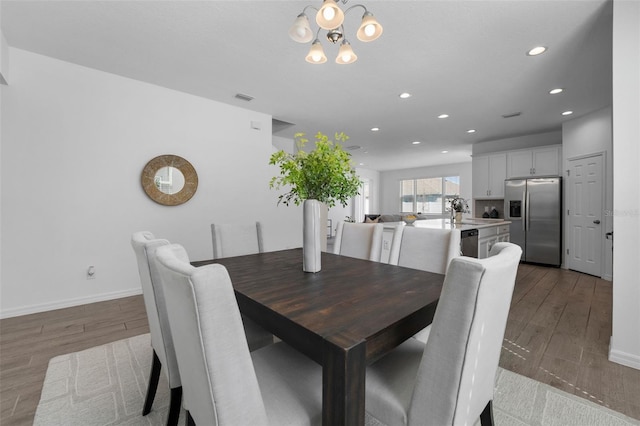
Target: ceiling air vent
244,97
352,147
513,114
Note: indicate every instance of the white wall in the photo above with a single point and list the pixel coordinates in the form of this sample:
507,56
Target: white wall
625,341
592,134
285,144
4,55
390,183
74,142
4,64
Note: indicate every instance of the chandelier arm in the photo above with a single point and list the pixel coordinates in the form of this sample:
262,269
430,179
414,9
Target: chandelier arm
354,6
309,6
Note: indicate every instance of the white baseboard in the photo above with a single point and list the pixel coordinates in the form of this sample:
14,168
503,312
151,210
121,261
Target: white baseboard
43,307
624,358
607,277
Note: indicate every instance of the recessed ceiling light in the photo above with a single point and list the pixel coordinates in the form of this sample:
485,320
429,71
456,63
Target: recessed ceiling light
471,131
443,116
375,129
536,51
405,95
567,113
362,164
444,152
555,91
416,142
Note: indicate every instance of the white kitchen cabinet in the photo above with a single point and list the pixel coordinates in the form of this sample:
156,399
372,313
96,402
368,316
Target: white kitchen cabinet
484,246
489,173
503,234
488,237
543,161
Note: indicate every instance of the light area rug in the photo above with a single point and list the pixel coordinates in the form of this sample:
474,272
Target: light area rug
106,385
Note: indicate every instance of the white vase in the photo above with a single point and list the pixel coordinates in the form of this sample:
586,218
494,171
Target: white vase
458,217
312,229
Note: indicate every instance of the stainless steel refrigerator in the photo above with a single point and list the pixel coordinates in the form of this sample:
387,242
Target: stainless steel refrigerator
534,207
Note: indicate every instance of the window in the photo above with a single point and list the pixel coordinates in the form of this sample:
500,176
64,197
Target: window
428,195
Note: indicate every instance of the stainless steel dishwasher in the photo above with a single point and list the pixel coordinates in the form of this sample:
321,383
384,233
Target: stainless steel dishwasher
469,242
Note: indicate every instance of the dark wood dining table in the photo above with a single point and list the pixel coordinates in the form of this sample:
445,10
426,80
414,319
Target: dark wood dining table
344,317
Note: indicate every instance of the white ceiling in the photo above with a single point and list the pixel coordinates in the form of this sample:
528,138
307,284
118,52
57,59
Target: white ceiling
463,58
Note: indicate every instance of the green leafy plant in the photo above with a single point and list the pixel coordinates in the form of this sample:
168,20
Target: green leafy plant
324,174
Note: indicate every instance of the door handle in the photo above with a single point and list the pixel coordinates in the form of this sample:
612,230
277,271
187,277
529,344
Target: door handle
597,222
527,211
524,210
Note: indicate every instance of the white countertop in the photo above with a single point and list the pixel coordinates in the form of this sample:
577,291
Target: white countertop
471,223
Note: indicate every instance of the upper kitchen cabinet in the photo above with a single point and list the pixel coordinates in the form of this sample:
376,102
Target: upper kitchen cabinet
543,161
489,173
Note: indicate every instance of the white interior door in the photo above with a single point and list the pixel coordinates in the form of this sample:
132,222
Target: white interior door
585,215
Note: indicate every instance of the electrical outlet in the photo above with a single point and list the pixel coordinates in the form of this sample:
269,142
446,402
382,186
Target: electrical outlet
91,272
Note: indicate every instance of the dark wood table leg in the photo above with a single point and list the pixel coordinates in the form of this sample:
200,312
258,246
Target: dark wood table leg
343,383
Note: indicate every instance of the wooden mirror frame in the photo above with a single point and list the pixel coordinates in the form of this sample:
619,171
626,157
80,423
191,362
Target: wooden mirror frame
187,170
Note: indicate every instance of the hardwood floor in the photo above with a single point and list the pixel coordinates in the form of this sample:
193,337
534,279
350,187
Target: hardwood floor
558,333
28,342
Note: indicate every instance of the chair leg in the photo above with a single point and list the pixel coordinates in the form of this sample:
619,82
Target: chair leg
154,376
174,406
486,417
189,420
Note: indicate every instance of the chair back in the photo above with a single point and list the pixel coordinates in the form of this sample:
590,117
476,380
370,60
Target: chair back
218,378
145,245
361,240
239,240
426,249
236,239
456,376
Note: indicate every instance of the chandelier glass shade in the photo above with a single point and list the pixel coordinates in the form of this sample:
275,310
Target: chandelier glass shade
346,54
330,17
316,53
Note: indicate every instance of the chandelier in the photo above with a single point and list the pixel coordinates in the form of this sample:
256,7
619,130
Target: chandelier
330,17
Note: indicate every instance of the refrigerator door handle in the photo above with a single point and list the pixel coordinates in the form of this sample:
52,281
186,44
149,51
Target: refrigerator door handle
527,212
524,205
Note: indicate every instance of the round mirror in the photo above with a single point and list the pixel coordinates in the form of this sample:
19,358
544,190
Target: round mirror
169,180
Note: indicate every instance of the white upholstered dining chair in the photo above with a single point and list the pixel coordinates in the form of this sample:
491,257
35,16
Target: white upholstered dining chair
450,380
360,240
427,249
224,384
145,246
238,240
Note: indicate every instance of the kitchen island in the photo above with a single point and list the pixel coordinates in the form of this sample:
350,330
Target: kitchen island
489,232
